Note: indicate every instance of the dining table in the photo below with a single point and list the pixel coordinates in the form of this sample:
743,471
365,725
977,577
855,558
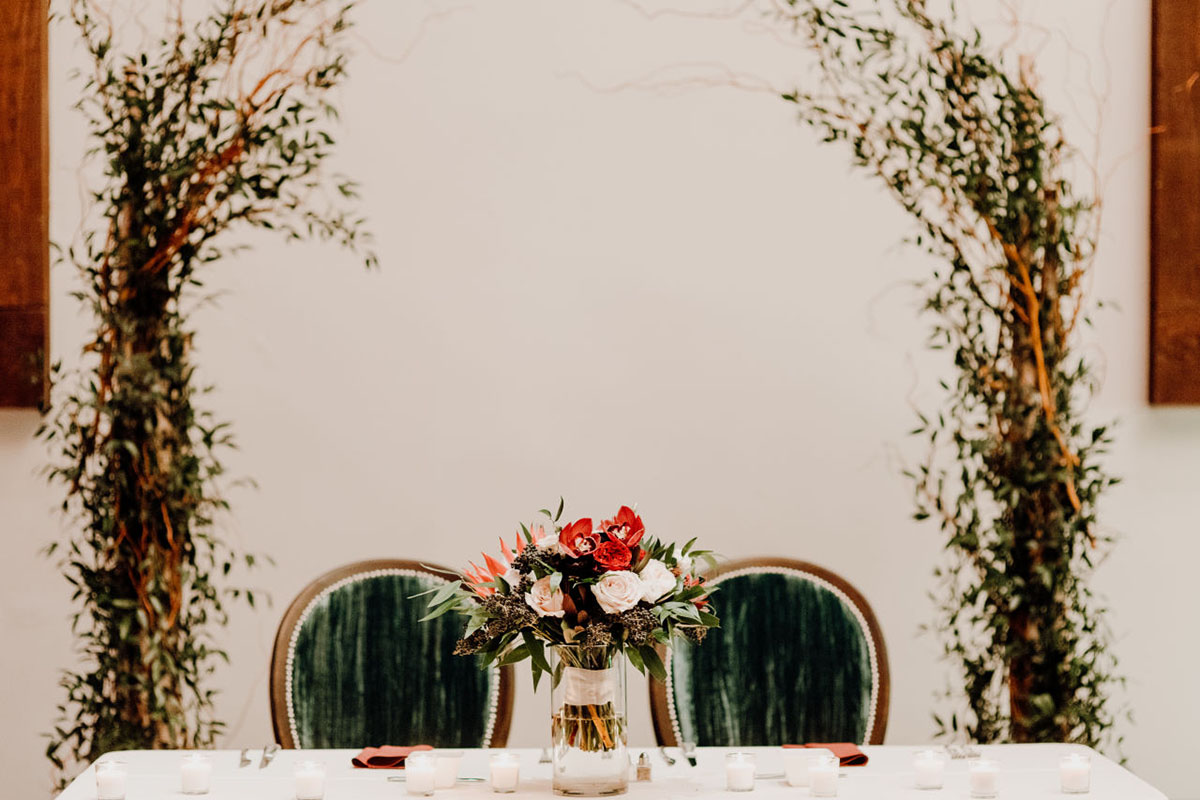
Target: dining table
1027,772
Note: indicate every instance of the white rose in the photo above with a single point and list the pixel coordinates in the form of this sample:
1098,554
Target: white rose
657,580
545,602
685,564
618,591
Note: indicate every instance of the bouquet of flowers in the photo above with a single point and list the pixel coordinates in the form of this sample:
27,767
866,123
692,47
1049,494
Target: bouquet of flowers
589,591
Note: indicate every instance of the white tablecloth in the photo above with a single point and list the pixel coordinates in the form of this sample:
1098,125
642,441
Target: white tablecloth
1028,772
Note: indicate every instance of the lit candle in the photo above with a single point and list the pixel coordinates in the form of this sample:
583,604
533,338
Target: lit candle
446,764
1075,773
739,772
506,772
798,760
419,773
823,776
310,780
195,773
930,769
110,780
983,776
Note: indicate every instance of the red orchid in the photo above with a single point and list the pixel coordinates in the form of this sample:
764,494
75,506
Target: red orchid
613,555
577,539
626,527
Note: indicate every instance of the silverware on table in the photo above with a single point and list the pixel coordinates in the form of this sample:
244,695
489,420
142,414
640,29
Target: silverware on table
268,753
767,776
544,758
244,758
662,750
689,752
468,779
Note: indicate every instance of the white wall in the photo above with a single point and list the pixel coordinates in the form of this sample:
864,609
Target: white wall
674,297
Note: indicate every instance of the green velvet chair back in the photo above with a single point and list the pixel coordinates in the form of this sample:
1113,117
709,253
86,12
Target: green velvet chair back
798,658
353,667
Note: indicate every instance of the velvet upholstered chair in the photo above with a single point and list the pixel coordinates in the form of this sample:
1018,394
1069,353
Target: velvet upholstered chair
354,667
798,658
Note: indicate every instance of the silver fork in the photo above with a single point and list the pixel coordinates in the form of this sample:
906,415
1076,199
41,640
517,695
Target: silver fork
244,758
662,749
544,758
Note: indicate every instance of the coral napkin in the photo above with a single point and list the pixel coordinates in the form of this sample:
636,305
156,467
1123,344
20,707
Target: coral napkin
847,752
386,757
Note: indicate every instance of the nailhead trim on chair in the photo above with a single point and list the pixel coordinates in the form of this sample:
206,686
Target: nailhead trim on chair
493,700
808,576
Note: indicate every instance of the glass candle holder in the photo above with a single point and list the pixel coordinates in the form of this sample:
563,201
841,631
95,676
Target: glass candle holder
446,762
195,773
111,778
929,769
420,771
739,772
505,771
823,776
310,780
1075,773
983,776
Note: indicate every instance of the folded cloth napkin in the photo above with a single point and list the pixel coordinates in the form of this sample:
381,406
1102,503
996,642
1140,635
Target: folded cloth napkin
847,752
386,757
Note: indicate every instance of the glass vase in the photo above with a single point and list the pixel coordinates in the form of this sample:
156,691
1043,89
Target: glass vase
587,721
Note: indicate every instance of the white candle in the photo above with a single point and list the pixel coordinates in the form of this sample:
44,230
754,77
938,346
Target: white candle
195,774
930,769
739,772
110,780
310,780
419,773
798,760
823,776
446,764
983,776
1075,773
506,772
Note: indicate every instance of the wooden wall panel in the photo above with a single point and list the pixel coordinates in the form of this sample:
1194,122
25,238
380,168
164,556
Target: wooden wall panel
24,202
1175,203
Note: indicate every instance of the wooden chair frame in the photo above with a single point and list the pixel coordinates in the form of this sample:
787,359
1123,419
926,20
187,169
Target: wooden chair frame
281,712
662,703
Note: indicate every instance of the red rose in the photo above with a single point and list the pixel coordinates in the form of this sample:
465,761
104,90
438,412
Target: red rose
613,555
626,527
577,539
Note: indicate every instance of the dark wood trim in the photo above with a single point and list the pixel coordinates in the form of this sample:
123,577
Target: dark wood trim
279,721
660,713
1175,203
24,203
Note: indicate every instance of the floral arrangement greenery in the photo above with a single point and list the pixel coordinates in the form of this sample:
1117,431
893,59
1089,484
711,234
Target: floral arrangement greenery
221,121
966,145
587,590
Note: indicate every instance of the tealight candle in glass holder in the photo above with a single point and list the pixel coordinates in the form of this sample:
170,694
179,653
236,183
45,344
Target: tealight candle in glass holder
446,762
739,772
110,780
505,771
420,771
929,768
983,776
195,773
798,760
1075,773
823,776
310,780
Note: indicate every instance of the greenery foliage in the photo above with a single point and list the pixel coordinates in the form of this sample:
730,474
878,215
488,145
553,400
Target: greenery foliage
967,146
221,120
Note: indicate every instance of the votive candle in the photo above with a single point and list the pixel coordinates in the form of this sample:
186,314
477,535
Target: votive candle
419,773
310,780
505,772
1075,773
929,768
739,772
110,780
446,763
195,773
823,776
983,776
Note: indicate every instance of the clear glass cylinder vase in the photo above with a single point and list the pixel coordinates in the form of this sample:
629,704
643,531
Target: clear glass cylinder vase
588,726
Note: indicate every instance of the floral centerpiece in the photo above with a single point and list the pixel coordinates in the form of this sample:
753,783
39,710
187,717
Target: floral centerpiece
575,599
